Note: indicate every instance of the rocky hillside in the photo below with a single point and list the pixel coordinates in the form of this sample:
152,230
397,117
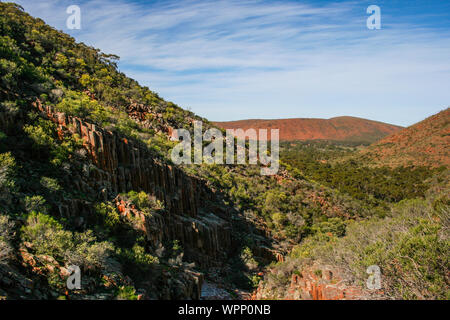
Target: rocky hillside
405,247
85,165
426,143
405,242
349,129
86,180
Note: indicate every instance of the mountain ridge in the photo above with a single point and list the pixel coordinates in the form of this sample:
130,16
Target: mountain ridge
342,128
423,143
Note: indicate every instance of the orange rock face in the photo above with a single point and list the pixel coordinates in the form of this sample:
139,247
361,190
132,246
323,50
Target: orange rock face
318,283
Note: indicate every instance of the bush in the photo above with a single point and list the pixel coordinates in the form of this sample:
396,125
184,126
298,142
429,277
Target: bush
48,237
334,226
87,253
36,203
81,105
411,248
50,184
44,134
109,215
7,165
136,256
248,258
6,236
126,293
144,202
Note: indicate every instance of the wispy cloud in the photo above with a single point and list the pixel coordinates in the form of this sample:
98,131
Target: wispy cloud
268,59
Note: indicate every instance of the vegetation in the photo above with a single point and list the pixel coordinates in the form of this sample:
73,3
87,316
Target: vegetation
126,293
144,202
324,205
81,81
6,235
326,164
410,246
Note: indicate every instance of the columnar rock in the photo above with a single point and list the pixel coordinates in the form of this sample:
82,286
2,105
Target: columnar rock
317,282
118,164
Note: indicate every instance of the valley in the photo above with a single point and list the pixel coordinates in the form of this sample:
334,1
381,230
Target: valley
86,179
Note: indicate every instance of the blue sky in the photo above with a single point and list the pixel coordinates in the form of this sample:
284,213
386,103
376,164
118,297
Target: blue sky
241,59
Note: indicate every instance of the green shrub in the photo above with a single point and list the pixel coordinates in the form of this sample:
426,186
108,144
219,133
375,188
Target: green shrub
136,256
109,215
333,225
36,203
48,237
6,236
144,201
81,105
44,135
411,247
248,258
7,165
255,279
50,184
126,293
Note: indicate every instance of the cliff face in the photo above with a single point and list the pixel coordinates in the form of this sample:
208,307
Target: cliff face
119,165
195,214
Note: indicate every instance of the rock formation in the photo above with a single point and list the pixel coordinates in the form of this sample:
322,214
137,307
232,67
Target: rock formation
317,282
119,165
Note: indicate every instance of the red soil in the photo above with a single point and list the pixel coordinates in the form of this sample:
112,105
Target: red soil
424,143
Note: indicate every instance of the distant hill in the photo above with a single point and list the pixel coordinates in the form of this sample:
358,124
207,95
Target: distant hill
349,129
424,143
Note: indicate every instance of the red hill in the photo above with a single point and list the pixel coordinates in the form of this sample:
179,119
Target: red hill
424,143
349,129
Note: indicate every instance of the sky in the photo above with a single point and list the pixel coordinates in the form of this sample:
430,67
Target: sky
252,59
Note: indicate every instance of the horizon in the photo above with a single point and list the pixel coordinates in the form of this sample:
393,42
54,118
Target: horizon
217,58
343,116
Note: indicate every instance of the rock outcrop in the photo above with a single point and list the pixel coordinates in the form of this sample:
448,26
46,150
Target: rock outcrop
26,278
118,164
202,236
316,282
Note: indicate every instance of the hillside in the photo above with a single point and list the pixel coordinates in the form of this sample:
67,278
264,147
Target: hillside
85,179
349,129
405,242
426,143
